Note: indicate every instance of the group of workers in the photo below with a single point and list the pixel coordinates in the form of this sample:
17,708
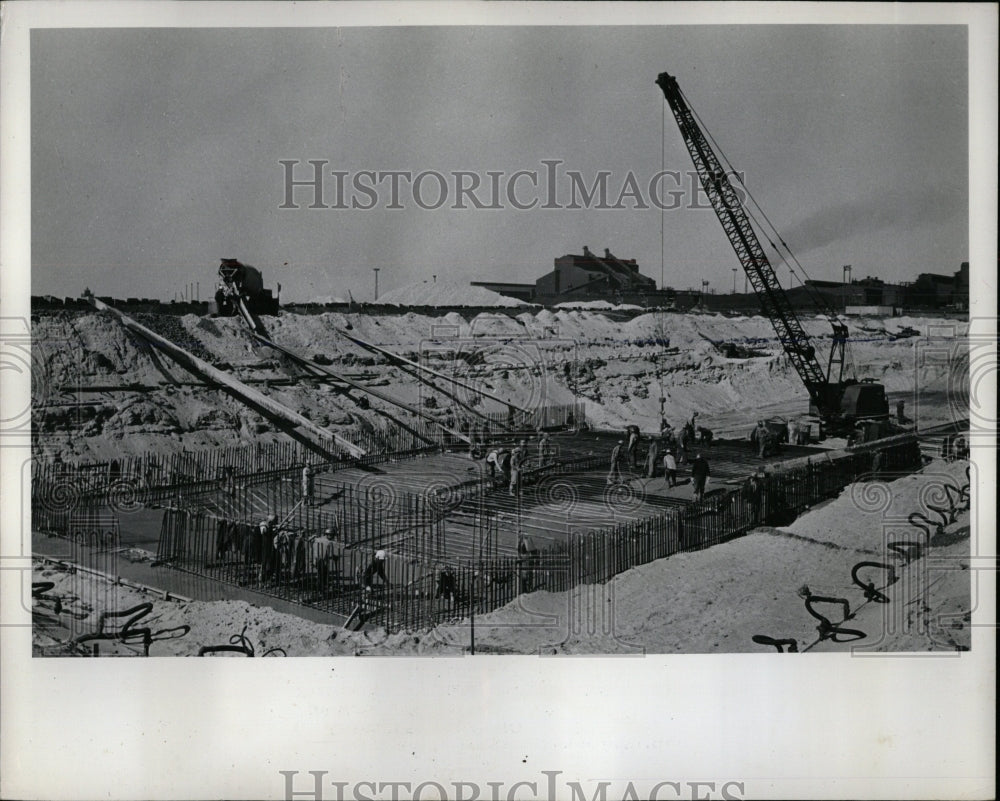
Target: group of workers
507,467
273,553
764,440
675,451
767,437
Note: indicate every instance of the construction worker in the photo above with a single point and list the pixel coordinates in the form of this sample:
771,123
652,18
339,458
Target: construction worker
517,458
266,545
308,486
761,437
527,559
615,473
284,549
446,585
651,455
543,448
633,445
689,433
699,476
669,437
754,490
375,568
320,548
798,432
670,469
504,462
499,463
686,443
493,463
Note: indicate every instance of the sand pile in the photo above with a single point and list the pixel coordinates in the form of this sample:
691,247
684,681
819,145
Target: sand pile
597,305
715,600
621,369
446,293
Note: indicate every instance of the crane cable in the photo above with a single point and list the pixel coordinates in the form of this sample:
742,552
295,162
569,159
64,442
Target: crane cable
662,332
825,307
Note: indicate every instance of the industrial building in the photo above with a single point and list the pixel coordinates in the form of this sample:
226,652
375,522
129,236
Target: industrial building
586,277
589,277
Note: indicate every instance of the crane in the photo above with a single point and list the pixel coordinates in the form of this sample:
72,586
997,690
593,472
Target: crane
839,403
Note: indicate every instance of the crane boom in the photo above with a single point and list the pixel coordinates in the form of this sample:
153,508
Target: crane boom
826,391
743,238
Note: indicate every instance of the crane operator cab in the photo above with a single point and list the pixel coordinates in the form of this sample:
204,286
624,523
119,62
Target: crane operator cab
864,400
842,406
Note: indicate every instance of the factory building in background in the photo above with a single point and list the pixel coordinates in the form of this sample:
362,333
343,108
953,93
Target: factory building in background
586,277
589,277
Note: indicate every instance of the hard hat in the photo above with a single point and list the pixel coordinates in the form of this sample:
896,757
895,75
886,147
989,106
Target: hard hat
380,555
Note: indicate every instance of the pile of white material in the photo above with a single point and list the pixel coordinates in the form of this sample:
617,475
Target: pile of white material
716,599
597,304
446,293
327,299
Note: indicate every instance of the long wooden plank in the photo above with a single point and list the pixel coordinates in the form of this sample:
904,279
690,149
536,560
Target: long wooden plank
417,371
451,379
201,368
311,365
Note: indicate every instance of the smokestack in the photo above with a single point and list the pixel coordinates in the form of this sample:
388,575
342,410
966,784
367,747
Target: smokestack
607,253
586,251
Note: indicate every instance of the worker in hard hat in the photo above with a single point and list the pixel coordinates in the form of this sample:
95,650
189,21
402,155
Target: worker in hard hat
375,568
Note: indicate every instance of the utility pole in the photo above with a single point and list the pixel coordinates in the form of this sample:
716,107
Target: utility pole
375,270
846,281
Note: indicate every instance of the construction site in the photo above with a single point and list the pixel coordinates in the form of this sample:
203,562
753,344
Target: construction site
499,481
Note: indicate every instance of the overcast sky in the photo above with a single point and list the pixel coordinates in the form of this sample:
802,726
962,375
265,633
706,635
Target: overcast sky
156,152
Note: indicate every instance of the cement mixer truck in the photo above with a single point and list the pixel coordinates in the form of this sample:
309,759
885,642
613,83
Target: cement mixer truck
240,291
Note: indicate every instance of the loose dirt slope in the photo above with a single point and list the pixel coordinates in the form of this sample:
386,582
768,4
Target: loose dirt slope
620,368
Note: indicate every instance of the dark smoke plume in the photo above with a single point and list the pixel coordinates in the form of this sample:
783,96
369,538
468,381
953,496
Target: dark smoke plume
904,210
